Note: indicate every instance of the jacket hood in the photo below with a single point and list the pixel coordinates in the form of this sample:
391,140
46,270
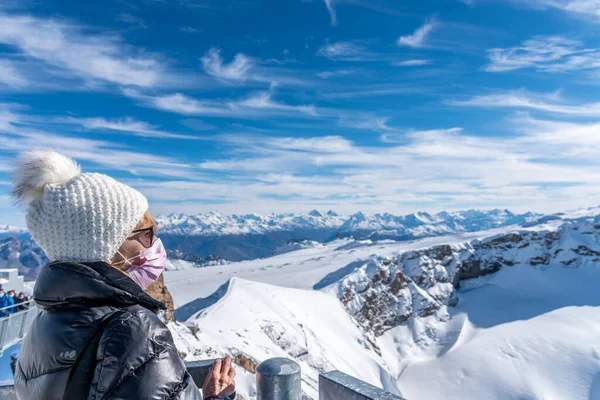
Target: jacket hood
91,283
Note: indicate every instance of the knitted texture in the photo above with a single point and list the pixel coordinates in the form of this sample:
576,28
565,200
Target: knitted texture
86,218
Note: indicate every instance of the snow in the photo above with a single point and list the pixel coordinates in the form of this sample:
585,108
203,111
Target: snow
214,223
412,225
528,334
528,331
305,268
308,326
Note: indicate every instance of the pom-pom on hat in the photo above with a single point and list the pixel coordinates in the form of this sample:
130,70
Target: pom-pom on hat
74,216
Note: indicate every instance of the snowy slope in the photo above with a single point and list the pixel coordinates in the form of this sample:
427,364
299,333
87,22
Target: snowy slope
523,324
308,326
527,333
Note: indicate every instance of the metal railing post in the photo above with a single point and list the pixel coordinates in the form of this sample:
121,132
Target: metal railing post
278,379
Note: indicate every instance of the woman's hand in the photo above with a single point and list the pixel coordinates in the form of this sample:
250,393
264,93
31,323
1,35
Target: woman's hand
220,381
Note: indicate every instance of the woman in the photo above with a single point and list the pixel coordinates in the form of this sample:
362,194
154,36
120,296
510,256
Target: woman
98,336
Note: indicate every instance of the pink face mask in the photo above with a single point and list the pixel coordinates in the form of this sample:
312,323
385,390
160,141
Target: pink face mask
155,259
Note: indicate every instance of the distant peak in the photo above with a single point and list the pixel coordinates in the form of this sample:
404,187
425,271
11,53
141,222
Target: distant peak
315,213
359,216
332,213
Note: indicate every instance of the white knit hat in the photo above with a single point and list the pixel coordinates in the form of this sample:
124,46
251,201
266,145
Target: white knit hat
74,216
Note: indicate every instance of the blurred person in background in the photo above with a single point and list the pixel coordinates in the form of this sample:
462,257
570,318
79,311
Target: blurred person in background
20,300
3,304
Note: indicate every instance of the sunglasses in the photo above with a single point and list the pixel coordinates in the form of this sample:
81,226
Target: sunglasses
144,236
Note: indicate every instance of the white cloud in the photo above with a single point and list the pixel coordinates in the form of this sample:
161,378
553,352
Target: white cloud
324,144
419,37
404,137
376,124
545,53
132,20
590,8
332,74
332,14
532,101
10,76
440,168
445,167
581,8
125,125
256,106
91,57
412,63
379,90
344,51
237,70
189,29
111,156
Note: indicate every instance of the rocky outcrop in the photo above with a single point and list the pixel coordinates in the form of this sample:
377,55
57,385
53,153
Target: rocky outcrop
384,293
389,292
246,362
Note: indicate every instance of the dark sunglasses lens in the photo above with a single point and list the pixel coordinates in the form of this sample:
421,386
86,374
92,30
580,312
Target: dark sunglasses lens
147,237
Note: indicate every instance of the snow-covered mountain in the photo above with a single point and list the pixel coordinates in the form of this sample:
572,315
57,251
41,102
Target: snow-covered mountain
415,225
244,237
18,250
216,224
215,239
506,313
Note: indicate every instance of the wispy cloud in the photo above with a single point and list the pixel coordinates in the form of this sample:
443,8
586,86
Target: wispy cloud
189,29
331,9
419,37
10,76
237,70
332,74
244,69
581,8
545,53
107,155
379,90
423,167
258,105
344,51
132,20
412,63
371,123
532,101
589,8
91,57
405,137
125,125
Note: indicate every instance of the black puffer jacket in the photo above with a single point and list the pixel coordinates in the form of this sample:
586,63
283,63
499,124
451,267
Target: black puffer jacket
98,318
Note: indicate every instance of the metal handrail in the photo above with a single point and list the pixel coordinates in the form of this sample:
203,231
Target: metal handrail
17,305
14,325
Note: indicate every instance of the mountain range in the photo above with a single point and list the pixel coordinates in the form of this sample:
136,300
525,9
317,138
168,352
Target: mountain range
250,236
214,238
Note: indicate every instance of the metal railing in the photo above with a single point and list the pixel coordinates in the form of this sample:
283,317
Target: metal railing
280,379
14,323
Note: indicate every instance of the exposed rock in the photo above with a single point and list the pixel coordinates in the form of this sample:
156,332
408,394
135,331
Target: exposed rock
246,362
385,293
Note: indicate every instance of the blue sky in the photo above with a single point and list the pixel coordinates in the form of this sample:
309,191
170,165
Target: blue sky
276,106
